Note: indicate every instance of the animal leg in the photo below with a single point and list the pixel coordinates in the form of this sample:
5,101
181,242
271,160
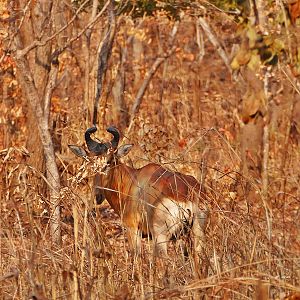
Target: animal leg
160,254
200,220
134,240
160,245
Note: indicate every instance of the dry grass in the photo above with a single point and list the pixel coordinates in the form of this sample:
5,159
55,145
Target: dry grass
240,262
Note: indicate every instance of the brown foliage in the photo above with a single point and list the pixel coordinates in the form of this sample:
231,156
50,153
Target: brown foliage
191,112
294,10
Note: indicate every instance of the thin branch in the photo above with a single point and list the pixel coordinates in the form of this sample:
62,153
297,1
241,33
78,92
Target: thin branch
25,9
49,88
142,90
215,42
165,66
27,83
87,53
104,54
287,31
255,12
36,43
93,15
265,160
200,42
261,12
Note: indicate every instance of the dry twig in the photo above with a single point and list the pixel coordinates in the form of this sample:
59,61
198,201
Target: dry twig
215,42
147,79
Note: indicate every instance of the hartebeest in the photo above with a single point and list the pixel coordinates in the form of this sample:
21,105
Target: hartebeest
150,200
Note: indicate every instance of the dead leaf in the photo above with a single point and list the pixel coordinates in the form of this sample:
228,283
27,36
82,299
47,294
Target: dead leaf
294,10
242,57
254,98
123,293
262,291
295,296
254,62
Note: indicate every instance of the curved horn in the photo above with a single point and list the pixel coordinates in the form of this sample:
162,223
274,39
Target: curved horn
93,146
115,132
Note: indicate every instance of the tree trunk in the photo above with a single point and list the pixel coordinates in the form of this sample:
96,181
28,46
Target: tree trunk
251,133
119,109
37,27
30,92
37,78
260,4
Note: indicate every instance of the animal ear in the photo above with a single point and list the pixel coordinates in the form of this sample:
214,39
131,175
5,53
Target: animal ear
124,150
79,151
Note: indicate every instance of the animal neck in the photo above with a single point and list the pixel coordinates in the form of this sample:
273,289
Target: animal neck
120,180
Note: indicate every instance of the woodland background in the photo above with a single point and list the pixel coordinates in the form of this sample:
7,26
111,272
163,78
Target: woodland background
208,88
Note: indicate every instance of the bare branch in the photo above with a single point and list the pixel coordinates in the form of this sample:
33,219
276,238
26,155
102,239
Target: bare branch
49,88
255,12
261,13
25,9
10,275
215,42
142,90
87,54
265,160
104,54
34,94
37,43
27,84
200,42
165,66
